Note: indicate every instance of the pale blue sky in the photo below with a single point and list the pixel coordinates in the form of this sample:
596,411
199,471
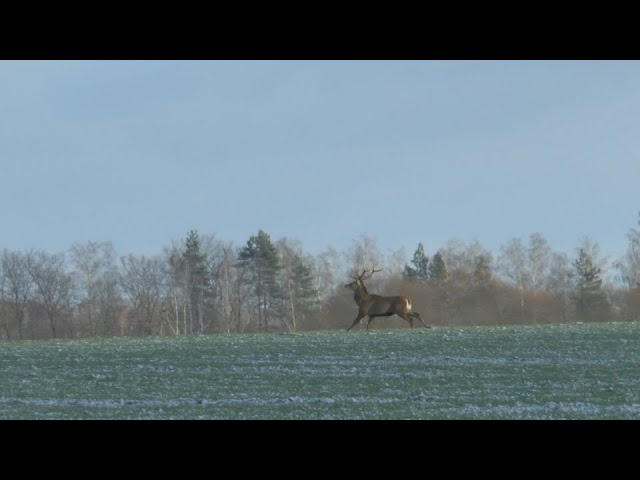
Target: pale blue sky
139,152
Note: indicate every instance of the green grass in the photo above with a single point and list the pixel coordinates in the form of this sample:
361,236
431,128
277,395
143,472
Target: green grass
573,371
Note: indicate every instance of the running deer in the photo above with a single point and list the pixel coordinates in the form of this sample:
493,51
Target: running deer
373,305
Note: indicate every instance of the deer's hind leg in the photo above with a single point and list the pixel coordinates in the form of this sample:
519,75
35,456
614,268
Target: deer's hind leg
417,315
408,318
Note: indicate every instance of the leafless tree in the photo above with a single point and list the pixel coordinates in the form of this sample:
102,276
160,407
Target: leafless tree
16,285
539,258
141,280
363,253
629,264
396,261
528,268
227,284
469,266
559,283
287,251
224,279
54,288
96,278
512,262
463,257
328,270
175,315
296,278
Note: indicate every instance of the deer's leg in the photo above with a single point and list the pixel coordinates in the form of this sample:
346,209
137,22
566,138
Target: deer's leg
407,318
369,321
356,321
417,315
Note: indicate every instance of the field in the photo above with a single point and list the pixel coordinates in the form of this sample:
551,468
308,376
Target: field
572,371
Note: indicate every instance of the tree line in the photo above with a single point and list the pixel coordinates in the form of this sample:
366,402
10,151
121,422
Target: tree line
203,285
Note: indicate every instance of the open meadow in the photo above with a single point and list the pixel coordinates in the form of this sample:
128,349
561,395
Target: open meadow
570,371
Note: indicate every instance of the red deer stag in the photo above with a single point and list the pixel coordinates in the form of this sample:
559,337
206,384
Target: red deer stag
373,305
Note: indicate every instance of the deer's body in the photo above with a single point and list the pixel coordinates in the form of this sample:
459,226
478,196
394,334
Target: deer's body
372,305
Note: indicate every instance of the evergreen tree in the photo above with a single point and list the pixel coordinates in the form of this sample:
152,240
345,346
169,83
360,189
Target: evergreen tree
409,272
420,269
195,264
438,278
303,290
590,301
260,258
438,273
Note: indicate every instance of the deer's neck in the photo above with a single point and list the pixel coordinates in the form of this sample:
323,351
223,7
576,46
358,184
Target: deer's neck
361,294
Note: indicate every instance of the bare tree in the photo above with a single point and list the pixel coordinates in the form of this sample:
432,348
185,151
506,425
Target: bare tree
297,282
559,283
96,277
538,261
16,284
629,264
3,301
110,302
512,262
222,258
327,274
528,268
396,262
363,254
468,267
177,291
54,288
539,258
227,283
87,263
141,280
463,258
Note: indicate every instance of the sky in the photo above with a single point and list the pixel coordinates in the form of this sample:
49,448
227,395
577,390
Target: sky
140,152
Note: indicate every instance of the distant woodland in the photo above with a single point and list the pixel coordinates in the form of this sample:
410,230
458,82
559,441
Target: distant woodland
204,285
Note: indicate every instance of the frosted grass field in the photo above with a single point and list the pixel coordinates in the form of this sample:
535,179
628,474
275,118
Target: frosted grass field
573,371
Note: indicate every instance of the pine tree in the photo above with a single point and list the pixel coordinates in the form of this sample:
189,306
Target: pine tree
195,264
590,301
438,278
260,258
420,270
438,273
303,289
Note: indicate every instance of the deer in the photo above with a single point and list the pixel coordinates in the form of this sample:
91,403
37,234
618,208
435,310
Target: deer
373,305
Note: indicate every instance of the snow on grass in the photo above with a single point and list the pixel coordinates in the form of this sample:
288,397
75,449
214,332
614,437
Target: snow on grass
557,371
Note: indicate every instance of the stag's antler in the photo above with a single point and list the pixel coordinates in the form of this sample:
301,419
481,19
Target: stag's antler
373,270
358,277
